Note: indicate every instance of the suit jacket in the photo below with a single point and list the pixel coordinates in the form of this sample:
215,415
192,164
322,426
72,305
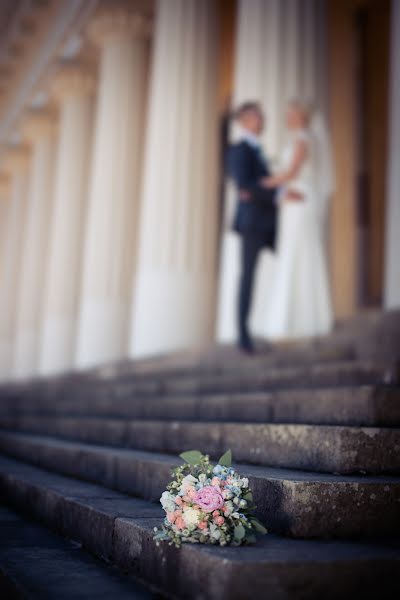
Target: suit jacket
246,166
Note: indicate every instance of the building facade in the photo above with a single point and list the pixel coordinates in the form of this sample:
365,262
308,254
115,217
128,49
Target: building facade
114,224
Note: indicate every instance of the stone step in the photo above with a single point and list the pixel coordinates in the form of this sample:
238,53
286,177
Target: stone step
321,448
95,386
36,564
362,406
224,359
297,504
320,375
120,528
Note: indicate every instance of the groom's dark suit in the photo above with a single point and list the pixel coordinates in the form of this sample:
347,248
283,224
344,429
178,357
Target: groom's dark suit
255,220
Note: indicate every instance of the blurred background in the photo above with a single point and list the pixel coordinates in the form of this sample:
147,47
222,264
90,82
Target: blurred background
115,234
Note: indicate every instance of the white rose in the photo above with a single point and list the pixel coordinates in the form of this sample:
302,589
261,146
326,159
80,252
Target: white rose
215,532
191,516
188,481
167,502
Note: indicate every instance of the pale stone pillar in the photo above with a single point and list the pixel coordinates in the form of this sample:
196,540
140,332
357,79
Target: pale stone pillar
4,211
39,128
174,298
5,207
110,245
392,238
72,87
14,231
279,55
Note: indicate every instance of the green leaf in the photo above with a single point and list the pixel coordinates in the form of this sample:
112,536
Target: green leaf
192,457
259,527
239,532
248,497
226,459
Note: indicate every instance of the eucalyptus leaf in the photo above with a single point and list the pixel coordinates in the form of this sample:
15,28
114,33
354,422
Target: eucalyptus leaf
192,457
259,527
239,532
248,496
226,459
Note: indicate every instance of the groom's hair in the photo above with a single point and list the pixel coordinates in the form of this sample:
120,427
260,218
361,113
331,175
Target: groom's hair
245,107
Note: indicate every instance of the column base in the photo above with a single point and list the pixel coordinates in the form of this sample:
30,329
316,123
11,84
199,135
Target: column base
5,360
58,345
173,311
26,356
102,333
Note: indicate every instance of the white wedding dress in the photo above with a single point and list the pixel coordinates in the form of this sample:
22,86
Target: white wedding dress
299,300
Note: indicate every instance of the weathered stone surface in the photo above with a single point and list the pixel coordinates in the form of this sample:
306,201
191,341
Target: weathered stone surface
286,568
38,564
334,449
279,567
91,520
319,375
294,503
324,405
363,405
242,380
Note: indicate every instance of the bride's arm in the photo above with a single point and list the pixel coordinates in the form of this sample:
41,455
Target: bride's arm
299,156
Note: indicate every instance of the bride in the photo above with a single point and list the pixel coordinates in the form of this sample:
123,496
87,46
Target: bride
300,303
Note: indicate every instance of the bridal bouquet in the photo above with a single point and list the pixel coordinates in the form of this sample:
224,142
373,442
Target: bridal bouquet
207,504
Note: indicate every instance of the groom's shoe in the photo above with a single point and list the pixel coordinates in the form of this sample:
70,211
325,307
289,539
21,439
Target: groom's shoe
246,347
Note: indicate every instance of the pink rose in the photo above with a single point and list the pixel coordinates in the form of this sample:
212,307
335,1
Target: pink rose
202,525
216,513
215,481
209,498
219,521
171,517
180,523
178,500
191,492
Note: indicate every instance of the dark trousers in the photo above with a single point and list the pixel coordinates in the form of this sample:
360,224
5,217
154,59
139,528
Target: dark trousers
251,243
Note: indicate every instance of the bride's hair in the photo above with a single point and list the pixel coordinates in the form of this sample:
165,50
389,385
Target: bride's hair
306,106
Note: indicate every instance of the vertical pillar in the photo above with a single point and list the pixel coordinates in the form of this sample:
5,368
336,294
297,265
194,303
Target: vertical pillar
4,211
5,207
175,285
72,87
39,129
14,232
392,250
110,245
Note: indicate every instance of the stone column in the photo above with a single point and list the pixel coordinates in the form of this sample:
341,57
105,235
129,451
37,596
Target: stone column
279,55
110,245
39,129
392,239
174,298
72,87
4,211
14,232
5,207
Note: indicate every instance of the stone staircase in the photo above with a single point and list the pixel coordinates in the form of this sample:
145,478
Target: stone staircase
315,426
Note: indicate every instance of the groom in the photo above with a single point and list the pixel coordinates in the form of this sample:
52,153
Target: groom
256,212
